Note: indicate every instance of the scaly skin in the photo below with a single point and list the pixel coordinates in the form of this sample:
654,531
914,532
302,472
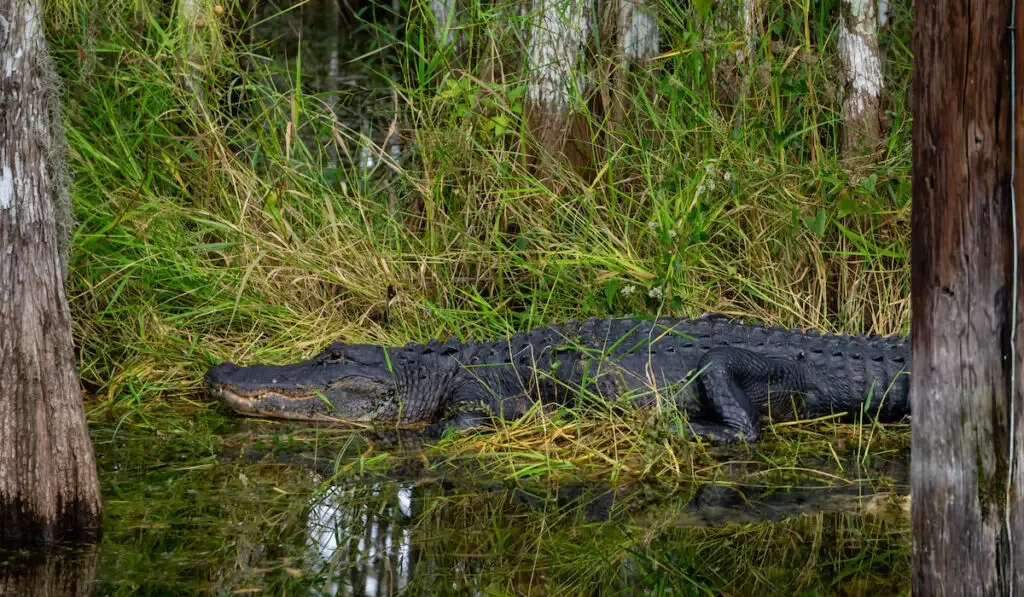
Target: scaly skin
725,375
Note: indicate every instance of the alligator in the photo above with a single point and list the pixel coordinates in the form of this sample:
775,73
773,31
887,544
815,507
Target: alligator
722,377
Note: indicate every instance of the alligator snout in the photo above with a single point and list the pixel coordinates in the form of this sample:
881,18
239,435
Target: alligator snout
218,373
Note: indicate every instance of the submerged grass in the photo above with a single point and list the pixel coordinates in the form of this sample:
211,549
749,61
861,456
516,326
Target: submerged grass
243,223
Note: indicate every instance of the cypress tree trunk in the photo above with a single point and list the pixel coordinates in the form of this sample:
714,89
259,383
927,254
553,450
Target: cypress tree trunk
1016,496
629,31
862,68
559,30
968,519
48,485
444,20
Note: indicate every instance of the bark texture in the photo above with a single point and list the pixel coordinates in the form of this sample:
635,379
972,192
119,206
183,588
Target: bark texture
862,68
639,35
751,26
751,17
444,14
559,30
630,30
48,485
1015,490
965,513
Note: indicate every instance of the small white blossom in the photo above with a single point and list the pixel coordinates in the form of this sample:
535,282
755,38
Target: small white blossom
652,225
726,176
709,169
672,233
700,189
710,184
655,293
628,290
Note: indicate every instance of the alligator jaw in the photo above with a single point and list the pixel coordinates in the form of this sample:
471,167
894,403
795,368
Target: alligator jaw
278,405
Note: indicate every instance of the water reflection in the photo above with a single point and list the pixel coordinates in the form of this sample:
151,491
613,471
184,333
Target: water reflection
458,535
53,571
272,515
371,539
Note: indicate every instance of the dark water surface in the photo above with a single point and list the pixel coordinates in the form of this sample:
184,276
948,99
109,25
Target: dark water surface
260,515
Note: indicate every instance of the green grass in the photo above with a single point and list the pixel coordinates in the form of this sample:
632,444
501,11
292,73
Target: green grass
238,226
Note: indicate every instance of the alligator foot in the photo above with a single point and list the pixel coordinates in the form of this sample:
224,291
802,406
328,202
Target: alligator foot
464,421
714,433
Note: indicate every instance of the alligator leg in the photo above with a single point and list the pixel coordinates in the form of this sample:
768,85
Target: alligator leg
732,384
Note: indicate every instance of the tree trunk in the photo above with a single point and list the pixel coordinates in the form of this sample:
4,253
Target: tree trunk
48,485
638,31
444,20
630,30
751,19
967,518
751,27
1016,496
200,32
559,30
862,68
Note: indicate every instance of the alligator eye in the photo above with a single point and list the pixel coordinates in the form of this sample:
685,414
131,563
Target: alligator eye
335,355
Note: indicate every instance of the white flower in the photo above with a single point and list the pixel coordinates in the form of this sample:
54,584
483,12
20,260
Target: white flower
628,290
655,293
710,183
726,176
672,233
652,225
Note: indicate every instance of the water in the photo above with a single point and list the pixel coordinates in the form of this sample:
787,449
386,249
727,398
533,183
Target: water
263,515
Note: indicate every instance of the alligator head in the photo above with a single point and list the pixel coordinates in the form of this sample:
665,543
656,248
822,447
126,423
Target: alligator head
346,382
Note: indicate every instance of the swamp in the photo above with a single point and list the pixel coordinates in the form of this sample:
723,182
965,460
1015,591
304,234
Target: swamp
254,180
